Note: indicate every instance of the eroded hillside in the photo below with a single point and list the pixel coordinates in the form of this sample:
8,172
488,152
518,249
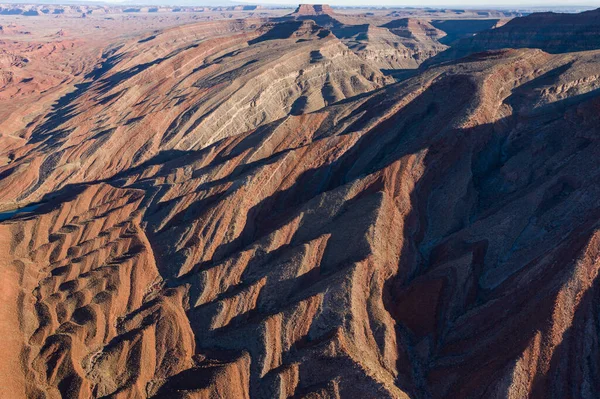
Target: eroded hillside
252,209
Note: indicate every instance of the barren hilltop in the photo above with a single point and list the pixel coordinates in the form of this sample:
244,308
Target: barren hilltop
314,9
268,203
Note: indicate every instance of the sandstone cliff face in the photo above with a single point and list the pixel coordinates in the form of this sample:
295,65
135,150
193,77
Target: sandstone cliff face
433,238
313,9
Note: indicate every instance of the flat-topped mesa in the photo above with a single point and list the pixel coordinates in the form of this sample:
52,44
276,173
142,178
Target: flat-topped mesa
314,9
291,29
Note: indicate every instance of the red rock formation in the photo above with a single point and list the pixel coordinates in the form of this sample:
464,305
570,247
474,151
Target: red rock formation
219,79
87,268
314,9
436,237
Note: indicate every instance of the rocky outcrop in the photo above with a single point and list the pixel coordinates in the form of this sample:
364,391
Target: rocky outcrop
313,9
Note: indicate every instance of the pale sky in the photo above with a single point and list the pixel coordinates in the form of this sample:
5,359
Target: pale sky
481,4
444,3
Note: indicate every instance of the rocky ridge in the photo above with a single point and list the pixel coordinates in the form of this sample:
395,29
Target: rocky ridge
434,237
217,79
551,32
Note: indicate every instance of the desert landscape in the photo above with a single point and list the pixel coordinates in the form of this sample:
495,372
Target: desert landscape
302,202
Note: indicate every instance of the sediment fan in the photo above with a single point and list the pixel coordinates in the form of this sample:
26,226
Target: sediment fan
301,206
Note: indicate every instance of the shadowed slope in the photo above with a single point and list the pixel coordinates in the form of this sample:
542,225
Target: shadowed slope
551,32
400,44
183,89
400,244
457,29
252,215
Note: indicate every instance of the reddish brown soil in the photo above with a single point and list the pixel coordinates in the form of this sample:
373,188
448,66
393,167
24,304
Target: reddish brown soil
251,208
